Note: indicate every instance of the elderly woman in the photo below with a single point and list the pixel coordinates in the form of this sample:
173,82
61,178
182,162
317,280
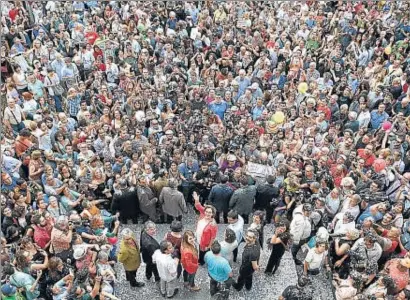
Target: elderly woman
206,229
61,237
129,256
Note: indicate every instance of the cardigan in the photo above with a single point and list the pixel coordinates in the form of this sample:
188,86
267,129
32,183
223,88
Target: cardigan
210,230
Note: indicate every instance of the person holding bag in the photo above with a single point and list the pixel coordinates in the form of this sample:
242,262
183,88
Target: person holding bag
13,116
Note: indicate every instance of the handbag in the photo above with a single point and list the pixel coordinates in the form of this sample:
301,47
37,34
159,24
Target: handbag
57,89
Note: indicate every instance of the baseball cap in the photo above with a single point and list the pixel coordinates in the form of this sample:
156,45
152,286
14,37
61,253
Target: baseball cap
8,289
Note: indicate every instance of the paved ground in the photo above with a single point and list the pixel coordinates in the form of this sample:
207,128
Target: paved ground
264,288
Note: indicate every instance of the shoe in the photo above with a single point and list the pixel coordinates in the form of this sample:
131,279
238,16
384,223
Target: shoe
186,285
174,294
195,288
268,273
298,262
139,284
164,295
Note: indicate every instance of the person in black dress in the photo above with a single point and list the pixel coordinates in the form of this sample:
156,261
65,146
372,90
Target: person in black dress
278,244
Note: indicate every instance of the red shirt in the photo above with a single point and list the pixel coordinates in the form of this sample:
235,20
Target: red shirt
368,160
13,14
91,37
42,235
326,110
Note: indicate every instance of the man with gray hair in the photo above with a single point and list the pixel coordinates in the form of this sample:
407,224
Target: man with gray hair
352,123
172,202
148,245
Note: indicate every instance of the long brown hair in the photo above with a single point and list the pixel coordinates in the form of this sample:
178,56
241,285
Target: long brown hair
187,245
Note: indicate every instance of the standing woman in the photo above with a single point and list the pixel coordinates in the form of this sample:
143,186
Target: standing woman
278,245
206,229
129,256
258,224
189,260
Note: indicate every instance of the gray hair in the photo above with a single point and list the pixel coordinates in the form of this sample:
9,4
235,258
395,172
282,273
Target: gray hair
149,224
353,115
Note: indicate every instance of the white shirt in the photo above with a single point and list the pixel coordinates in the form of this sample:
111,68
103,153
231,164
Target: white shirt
200,229
166,265
314,259
238,229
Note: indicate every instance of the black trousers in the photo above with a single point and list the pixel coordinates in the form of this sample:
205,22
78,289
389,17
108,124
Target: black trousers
201,259
245,218
168,219
131,277
269,215
244,279
218,217
296,247
151,269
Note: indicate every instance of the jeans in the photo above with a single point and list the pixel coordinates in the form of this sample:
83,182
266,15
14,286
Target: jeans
58,103
295,249
168,287
189,278
215,286
150,269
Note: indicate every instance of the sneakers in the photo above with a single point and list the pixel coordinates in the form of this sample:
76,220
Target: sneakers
195,288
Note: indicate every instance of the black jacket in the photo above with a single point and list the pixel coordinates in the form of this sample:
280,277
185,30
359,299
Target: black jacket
125,202
148,246
264,195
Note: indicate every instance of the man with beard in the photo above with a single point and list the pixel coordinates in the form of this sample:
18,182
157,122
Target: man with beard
147,200
124,202
219,197
42,231
250,257
267,197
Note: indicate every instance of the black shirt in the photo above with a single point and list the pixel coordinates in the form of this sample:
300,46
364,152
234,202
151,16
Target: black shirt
250,253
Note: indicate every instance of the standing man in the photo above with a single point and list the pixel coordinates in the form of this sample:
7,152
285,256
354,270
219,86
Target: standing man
148,246
243,198
300,229
250,257
236,224
219,197
172,201
266,197
219,270
167,268
147,200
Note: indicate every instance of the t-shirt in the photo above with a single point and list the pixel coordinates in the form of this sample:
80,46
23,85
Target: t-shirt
314,259
218,267
250,253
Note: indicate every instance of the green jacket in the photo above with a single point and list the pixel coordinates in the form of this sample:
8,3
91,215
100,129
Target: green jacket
129,256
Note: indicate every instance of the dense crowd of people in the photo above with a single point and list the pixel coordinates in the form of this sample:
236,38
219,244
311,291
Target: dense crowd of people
285,113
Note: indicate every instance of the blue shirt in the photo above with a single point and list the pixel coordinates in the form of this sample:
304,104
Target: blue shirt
218,267
219,109
377,119
243,84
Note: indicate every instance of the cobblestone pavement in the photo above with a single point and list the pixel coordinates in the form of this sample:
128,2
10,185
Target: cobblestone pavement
264,287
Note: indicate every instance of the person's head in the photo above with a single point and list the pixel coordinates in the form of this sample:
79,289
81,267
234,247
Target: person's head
166,247
150,228
250,237
230,236
232,217
189,238
320,247
258,217
176,226
216,248
307,209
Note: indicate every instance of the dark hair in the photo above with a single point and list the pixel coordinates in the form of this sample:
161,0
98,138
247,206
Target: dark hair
230,235
163,246
244,181
8,269
176,226
270,179
233,214
224,179
215,247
